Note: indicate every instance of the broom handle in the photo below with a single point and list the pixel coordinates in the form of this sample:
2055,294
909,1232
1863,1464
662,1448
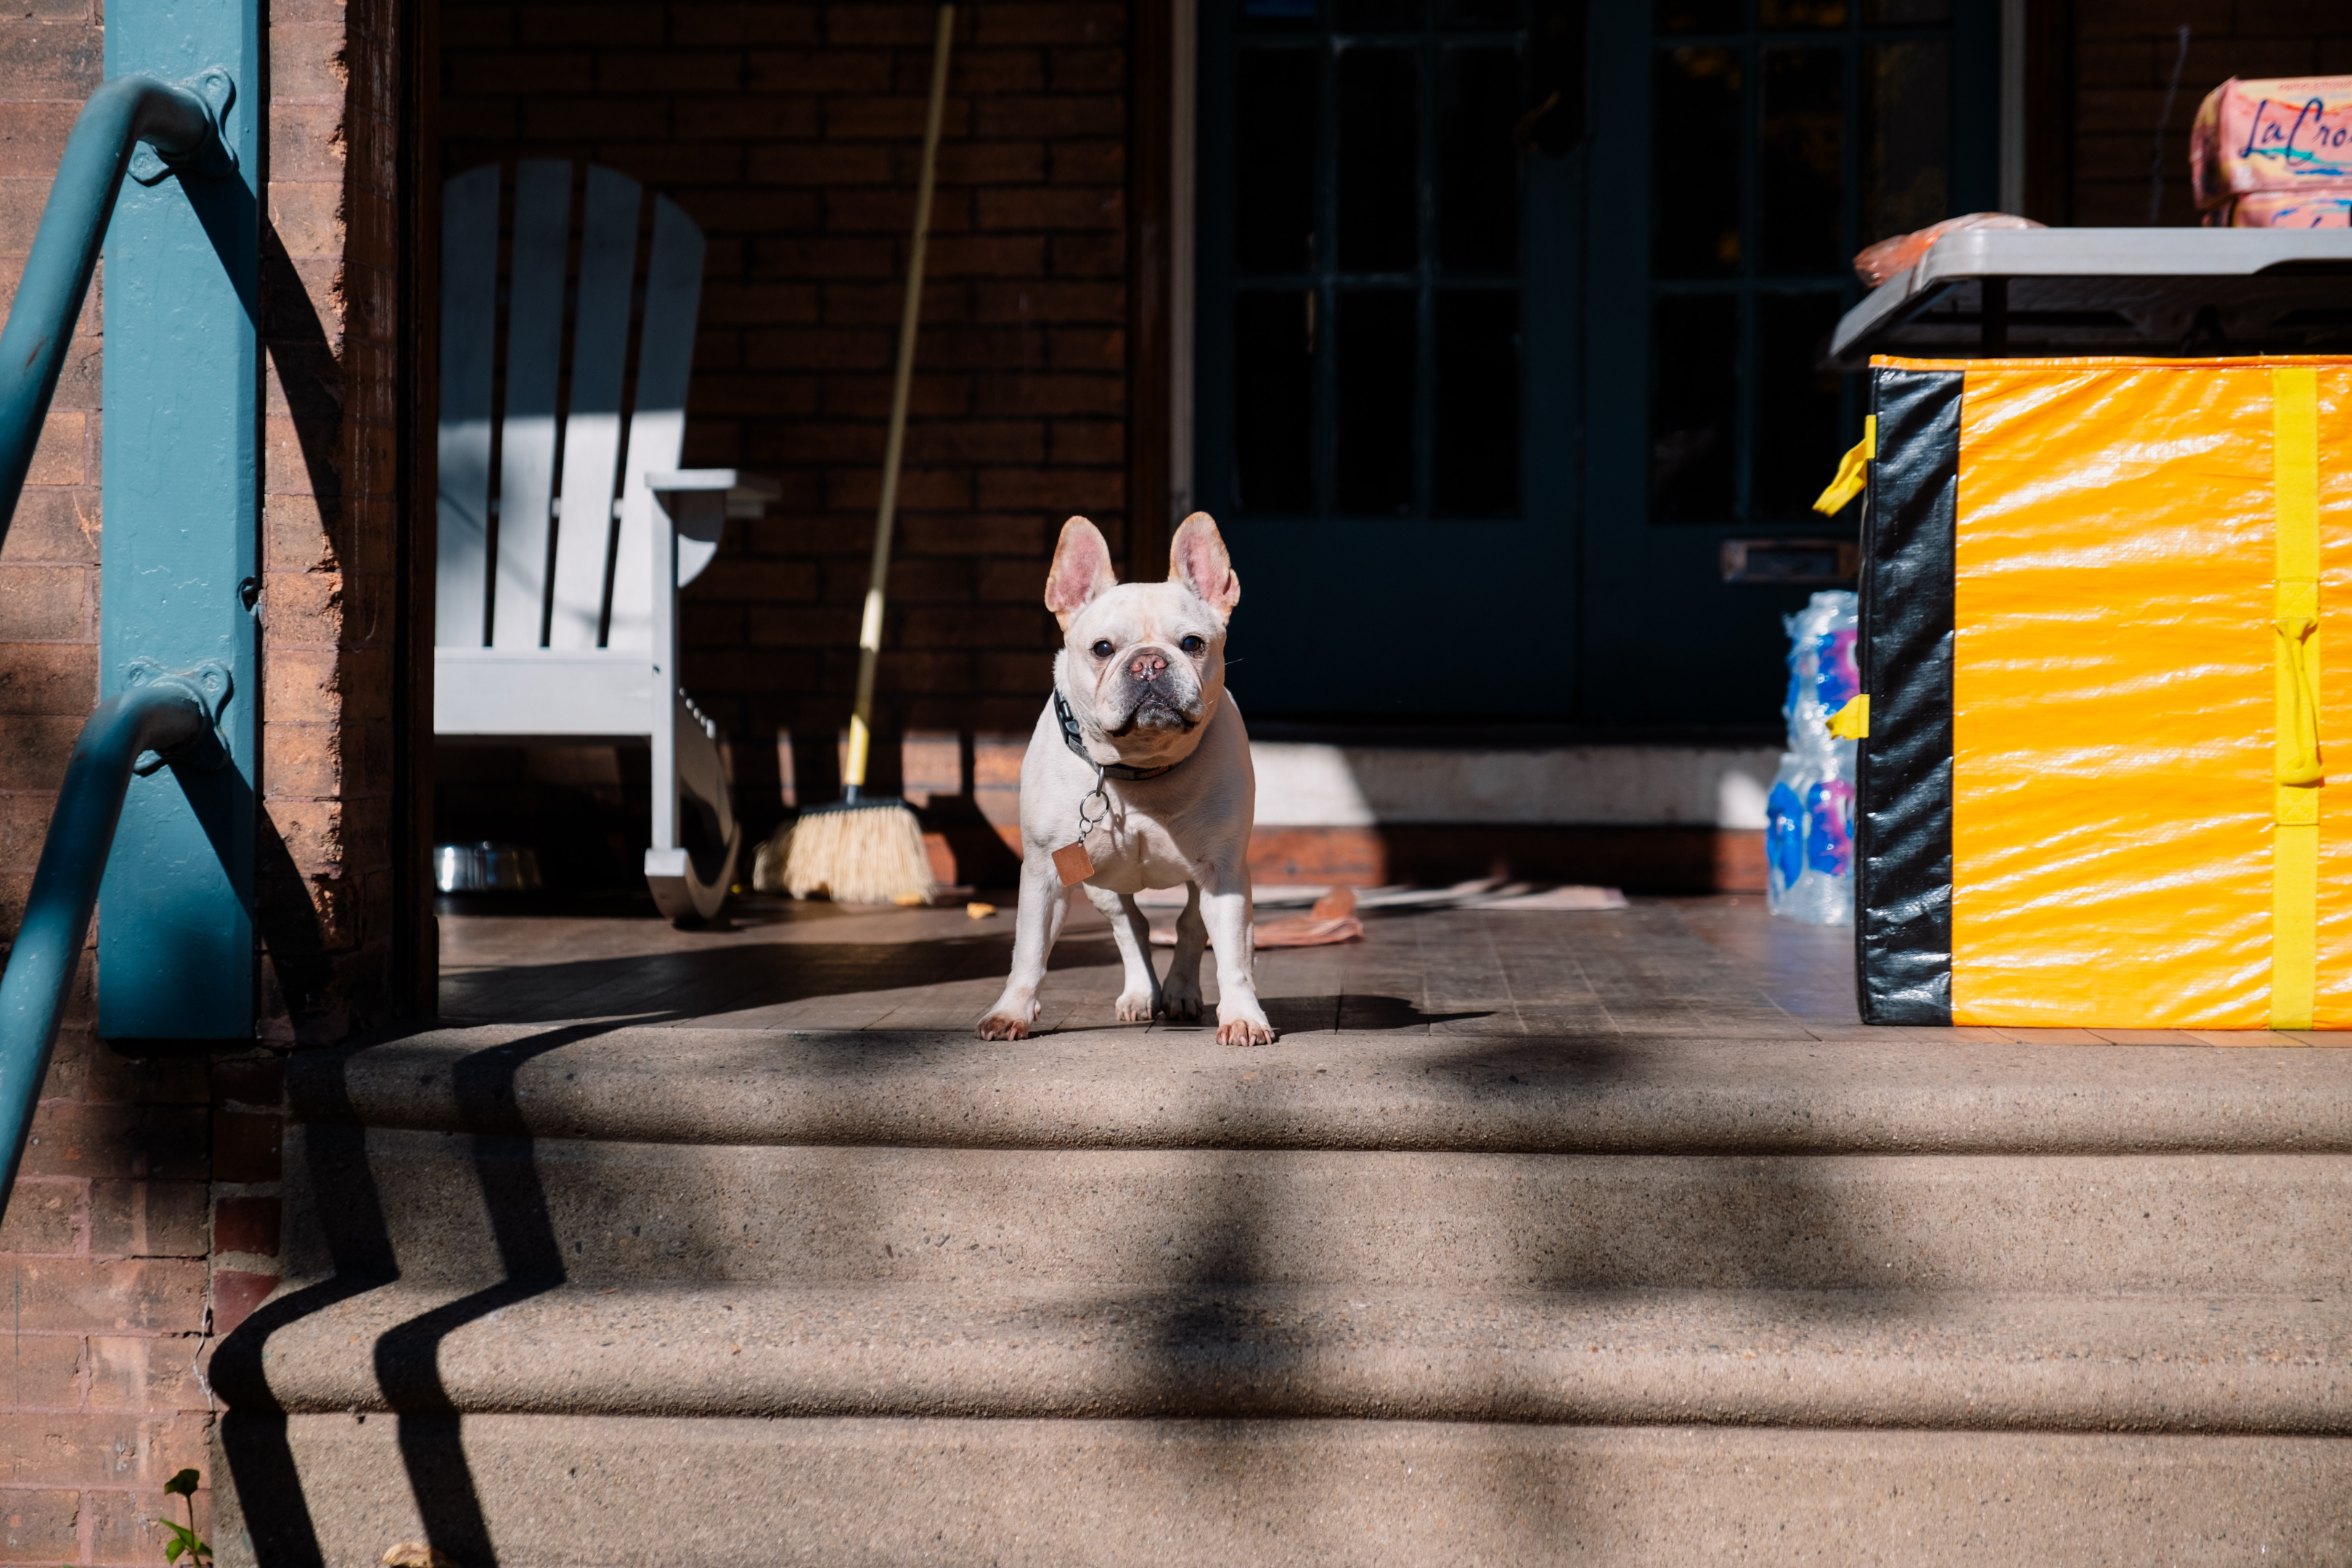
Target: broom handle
869,634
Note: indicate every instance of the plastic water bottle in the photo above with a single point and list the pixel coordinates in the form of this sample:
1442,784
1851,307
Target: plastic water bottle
1808,816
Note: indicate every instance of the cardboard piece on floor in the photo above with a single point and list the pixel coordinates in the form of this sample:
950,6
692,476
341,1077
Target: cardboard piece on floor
1567,898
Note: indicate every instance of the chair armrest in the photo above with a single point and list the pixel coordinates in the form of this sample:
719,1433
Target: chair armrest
747,494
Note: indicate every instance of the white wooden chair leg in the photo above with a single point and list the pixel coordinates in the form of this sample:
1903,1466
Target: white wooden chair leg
691,881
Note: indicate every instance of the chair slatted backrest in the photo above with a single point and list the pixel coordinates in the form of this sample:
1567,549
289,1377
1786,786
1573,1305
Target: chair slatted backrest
571,570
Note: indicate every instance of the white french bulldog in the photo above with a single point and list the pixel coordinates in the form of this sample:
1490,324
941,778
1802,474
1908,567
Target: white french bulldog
1139,776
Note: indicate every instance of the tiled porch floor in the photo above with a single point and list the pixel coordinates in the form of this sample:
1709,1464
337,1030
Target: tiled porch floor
1703,967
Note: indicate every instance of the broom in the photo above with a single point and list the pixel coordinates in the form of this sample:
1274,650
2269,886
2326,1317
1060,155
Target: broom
859,851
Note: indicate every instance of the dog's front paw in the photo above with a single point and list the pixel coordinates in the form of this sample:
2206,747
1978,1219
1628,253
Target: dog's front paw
1135,1007
1179,1001
1008,1023
1243,1029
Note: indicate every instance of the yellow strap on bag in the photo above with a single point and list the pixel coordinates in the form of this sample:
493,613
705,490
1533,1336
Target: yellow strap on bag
1852,472
1851,723
2294,846
2297,649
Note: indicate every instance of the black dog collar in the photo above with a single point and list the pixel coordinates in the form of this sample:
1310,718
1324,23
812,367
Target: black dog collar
1076,742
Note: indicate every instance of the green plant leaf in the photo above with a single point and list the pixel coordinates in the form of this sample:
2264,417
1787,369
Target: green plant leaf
184,1484
172,1552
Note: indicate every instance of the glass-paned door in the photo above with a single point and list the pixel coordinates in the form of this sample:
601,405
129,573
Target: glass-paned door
1783,139
1375,265
1386,358
1744,151
1483,399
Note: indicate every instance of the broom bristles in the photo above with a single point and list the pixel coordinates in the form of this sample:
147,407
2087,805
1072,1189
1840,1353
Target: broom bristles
767,860
858,855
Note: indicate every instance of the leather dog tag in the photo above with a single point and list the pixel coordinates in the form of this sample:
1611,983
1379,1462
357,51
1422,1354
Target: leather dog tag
1073,864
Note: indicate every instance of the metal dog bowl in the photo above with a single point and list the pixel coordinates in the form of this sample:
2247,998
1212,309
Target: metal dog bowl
486,869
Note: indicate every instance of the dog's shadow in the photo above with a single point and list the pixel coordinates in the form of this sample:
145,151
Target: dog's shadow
1357,1013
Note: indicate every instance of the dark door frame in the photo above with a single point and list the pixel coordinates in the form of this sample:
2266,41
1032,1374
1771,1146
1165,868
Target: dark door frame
1150,348
416,933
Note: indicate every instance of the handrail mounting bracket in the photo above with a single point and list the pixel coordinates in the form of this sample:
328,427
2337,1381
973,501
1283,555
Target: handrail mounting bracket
210,686
213,157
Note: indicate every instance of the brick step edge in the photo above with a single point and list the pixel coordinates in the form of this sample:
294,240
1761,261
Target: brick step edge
1401,1090
2238,1363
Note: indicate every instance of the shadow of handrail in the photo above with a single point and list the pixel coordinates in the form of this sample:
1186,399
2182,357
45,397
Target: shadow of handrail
254,1436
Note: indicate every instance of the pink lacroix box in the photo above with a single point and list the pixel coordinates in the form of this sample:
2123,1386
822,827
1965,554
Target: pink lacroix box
2324,206
2290,133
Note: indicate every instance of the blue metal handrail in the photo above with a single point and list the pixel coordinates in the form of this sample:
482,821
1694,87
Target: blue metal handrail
172,715
183,127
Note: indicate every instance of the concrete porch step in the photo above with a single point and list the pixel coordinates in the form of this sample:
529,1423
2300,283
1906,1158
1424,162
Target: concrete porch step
1730,1090
2247,1364
476,1210
538,1491
1412,1294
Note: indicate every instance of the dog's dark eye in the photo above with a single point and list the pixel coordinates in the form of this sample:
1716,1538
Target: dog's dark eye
1192,645
1102,649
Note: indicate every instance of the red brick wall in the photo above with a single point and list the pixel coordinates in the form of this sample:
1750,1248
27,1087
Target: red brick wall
2124,56
143,1225
104,1243
145,1222
51,56
792,134
104,1253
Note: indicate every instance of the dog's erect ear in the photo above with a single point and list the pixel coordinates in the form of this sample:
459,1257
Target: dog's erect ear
1197,558
1081,572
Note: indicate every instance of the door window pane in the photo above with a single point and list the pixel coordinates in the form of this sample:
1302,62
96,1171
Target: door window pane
1798,432
1835,117
1477,166
1275,15
1273,401
1476,465
1694,407
1377,343
1377,180
1906,162
1280,105
1906,13
1695,164
1488,15
1801,163
1698,16
1378,172
1368,15
1801,13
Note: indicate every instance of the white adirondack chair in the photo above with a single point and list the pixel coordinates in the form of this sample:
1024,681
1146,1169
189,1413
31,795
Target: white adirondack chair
560,618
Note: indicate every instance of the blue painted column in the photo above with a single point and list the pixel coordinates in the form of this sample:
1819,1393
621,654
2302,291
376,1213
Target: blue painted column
180,561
